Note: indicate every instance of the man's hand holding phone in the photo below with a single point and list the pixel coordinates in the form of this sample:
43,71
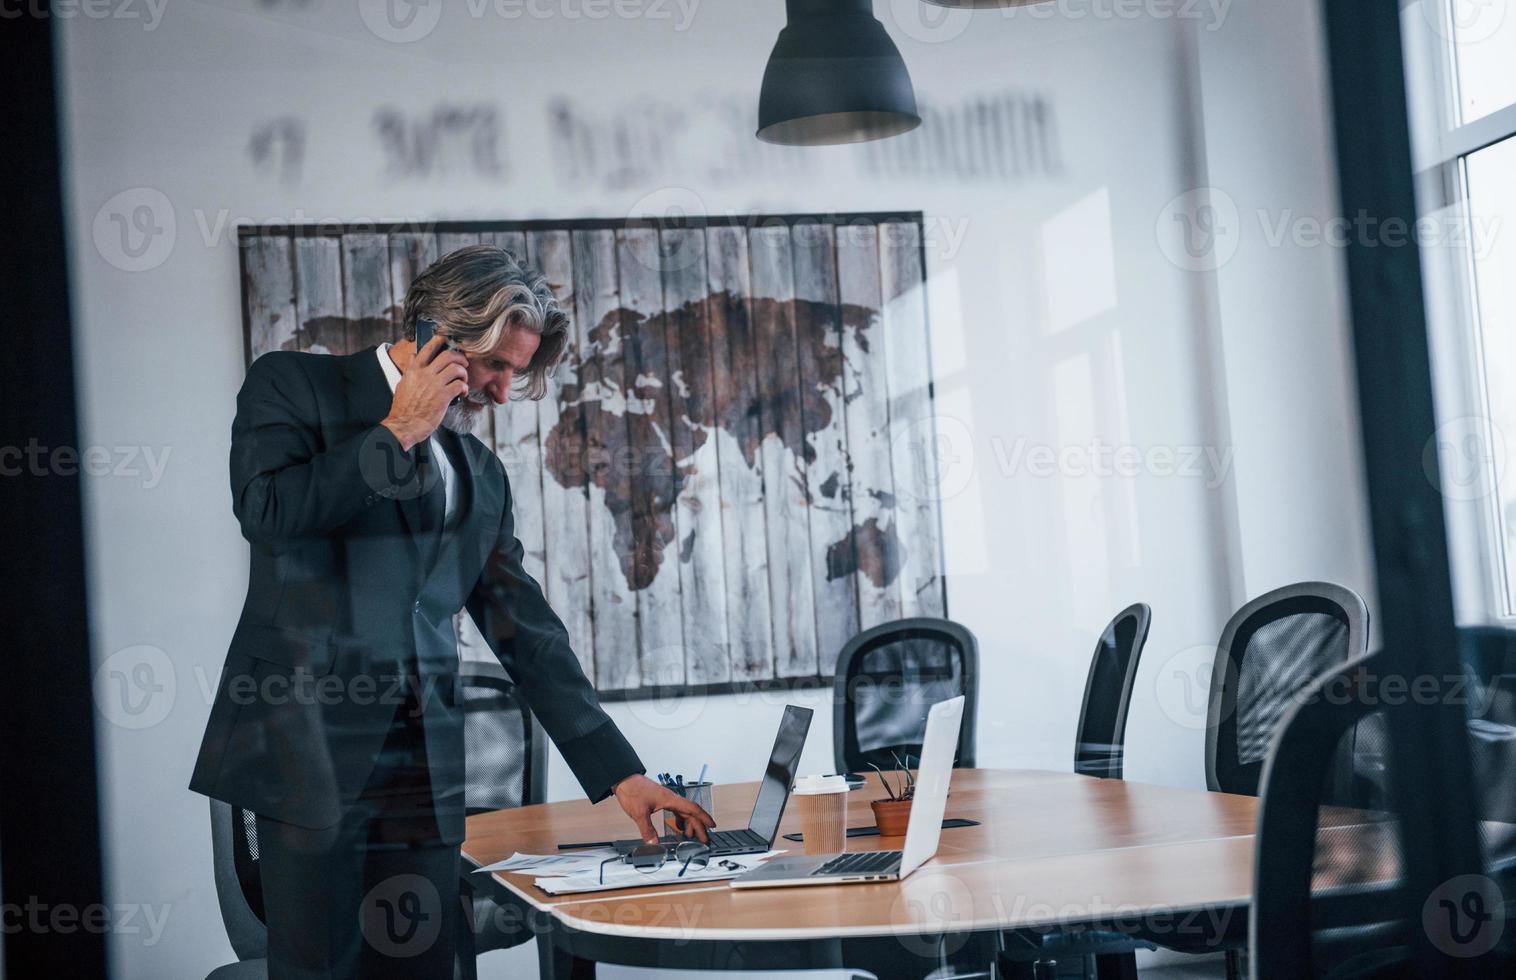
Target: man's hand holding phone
435,378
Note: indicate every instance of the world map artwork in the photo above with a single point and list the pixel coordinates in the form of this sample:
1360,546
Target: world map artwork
726,478
600,423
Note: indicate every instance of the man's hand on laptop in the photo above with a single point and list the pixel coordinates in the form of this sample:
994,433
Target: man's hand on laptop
640,797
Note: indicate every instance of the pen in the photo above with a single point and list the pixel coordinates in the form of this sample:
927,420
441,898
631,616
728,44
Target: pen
703,767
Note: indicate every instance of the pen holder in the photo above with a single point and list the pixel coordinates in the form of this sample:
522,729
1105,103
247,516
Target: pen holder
699,794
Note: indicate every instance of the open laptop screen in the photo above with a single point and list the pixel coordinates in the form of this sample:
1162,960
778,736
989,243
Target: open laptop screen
780,774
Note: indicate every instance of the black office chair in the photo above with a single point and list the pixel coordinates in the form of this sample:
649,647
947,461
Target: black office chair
1101,739
1325,875
506,766
1271,649
1327,867
1099,750
506,752
239,891
888,678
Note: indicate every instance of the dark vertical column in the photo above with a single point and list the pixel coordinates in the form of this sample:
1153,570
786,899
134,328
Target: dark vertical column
1431,774
49,805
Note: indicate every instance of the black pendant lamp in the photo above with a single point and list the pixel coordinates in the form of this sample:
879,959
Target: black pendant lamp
834,77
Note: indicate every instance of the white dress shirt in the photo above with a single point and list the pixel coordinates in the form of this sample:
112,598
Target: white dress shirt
444,464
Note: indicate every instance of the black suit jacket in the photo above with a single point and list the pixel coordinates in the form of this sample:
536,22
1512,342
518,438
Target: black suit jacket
347,597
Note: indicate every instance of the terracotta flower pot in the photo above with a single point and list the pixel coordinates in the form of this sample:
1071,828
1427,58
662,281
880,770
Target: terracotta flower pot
892,816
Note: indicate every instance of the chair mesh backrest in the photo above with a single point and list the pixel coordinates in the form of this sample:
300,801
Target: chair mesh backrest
1099,745
887,680
245,858
503,751
1272,649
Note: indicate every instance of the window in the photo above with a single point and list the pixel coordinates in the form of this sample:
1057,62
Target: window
1462,94
1483,38
1490,182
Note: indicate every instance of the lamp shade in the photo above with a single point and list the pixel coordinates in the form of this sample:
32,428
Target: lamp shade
834,76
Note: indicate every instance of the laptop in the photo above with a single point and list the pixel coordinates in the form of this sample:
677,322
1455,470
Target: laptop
774,792
921,834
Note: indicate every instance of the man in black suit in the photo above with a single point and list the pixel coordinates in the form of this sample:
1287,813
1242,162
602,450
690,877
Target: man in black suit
373,517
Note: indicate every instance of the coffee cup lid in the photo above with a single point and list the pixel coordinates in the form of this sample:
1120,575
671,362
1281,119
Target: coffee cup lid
812,785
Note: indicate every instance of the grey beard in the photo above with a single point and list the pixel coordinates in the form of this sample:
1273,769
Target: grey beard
462,417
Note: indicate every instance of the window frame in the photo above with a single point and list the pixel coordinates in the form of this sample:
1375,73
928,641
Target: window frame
1484,576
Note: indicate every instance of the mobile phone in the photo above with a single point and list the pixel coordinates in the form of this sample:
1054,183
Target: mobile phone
424,330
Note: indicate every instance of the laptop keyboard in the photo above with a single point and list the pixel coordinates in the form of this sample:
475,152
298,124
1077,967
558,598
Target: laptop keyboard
731,840
861,863
736,840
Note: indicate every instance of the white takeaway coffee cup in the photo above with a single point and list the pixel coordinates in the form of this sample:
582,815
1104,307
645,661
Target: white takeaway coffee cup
821,802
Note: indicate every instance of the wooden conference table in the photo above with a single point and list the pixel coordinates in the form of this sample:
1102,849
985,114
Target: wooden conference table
1051,849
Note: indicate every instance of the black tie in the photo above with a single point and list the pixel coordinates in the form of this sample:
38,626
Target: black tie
434,494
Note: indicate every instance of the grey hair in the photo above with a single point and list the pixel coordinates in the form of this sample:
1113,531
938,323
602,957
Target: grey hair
476,294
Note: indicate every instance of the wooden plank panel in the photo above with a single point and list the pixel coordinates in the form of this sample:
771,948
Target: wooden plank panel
366,295
818,335
602,403
733,473
565,502
410,254
269,290
791,592
873,554
449,242
654,486
734,379
702,571
912,429
513,242
318,295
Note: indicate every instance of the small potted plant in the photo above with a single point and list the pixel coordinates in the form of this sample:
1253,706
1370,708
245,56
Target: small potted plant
893,813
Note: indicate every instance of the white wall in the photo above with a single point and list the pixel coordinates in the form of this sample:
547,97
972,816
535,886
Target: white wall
1061,316
1282,299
